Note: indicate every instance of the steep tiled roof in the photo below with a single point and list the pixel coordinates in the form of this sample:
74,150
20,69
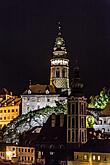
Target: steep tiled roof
4,91
106,111
40,89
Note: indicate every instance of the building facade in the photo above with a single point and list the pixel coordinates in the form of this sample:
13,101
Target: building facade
9,107
39,96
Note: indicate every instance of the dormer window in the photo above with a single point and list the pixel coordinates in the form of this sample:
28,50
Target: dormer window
47,91
29,91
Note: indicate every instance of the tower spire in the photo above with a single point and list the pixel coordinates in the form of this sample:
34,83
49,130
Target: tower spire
76,85
59,70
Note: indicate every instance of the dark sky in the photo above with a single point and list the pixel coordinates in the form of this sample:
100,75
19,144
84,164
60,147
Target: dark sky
27,33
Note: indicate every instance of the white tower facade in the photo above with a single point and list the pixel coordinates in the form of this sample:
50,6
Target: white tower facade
76,116
59,65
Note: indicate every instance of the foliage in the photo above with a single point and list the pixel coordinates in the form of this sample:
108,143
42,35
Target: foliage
90,121
99,101
27,121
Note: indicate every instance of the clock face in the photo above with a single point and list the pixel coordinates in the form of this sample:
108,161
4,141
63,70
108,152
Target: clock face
59,41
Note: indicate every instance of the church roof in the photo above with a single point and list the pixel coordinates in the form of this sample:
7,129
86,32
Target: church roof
4,91
41,89
106,111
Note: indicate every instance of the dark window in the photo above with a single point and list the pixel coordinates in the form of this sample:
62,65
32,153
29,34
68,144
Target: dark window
82,136
28,150
4,118
4,111
73,109
69,109
63,73
73,136
69,122
76,135
72,122
8,110
76,121
12,110
76,108
48,100
68,135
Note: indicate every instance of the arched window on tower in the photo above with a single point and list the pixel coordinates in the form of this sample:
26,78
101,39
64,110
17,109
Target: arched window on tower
63,73
57,72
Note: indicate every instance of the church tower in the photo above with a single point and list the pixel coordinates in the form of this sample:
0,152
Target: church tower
59,69
76,115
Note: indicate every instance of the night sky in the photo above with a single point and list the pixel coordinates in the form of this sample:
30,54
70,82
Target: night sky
28,29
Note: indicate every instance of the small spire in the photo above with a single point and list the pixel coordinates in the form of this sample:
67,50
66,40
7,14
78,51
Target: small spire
59,28
76,84
30,83
76,64
76,70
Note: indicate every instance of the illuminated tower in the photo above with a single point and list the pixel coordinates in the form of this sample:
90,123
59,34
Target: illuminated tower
76,116
59,70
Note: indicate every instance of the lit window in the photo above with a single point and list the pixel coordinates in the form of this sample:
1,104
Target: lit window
93,157
39,155
85,157
98,157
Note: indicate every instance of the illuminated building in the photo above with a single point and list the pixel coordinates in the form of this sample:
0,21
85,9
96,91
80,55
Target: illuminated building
76,115
59,70
94,152
21,154
9,107
39,96
103,122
